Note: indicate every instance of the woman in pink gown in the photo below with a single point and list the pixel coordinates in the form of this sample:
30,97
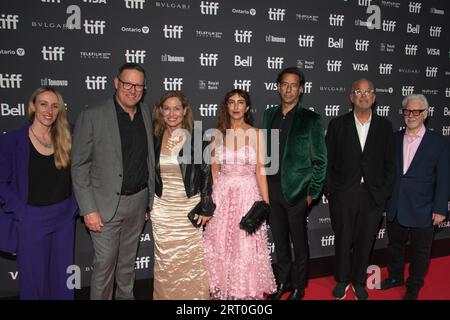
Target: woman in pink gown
239,264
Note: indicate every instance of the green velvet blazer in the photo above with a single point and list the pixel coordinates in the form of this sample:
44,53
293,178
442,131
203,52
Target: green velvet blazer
304,161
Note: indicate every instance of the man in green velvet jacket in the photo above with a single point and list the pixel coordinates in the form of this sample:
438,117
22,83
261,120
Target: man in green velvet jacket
302,169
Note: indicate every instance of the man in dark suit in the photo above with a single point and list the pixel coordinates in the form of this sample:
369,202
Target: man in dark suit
420,197
113,177
302,168
360,177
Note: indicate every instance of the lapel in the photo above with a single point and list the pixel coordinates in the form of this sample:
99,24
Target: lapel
420,153
114,133
352,132
23,159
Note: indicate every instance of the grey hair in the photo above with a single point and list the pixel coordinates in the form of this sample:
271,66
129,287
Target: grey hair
419,97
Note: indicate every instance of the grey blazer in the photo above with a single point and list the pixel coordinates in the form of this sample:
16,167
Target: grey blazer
97,159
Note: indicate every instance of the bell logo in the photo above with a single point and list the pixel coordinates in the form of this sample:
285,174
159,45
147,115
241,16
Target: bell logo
275,62
305,40
431,72
276,14
10,81
383,111
242,84
414,7
336,20
435,31
411,49
360,67
94,27
172,32
389,25
338,44
208,59
243,36
173,84
332,110
385,68
9,21
334,65
243,62
52,53
209,8
361,45
411,29
208,109
95,82
134,4
7,110
135,56
407,90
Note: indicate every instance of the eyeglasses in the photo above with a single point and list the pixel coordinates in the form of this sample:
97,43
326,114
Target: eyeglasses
168,109
129,85
292,86
360,92
415,113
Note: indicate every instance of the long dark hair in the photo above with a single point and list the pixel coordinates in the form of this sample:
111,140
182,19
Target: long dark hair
224,121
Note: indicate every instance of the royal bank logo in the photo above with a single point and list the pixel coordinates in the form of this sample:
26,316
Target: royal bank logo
208,109
209,8
13,52
142,263
208,59
208,85
172,31
413,29
336,20
275,62
387,47
411,49
243,61
95,55
276,14
433,52
336,43
243,36
208,34
305,64
385,68
172,5
435,31
251,12
52,53
242,85
12,111
270,38
334,65
94,26
306,17
437,11
135,56
169,58
143,29
360,67
173,84
54,83
9,21
305,40
95,82
361,45
134,4
414,7
382,111
389,25
407,90
332,110
431,72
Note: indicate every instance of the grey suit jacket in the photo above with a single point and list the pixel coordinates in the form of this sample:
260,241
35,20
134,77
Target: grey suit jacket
97,159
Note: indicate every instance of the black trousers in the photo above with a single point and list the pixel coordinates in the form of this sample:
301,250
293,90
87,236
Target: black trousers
420,248
355,219
288,223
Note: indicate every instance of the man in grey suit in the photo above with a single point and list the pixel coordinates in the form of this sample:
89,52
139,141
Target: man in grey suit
113,178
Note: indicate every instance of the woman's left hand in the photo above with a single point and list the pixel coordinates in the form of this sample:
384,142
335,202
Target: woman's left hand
202,220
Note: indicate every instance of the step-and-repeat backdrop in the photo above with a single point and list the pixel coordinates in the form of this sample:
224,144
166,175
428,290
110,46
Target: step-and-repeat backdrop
206,48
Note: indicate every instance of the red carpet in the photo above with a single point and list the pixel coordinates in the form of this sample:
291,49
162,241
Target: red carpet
436,287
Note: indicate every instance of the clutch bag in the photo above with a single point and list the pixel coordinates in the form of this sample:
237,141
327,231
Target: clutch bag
255,217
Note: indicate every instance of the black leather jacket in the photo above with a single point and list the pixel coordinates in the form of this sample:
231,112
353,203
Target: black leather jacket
197,177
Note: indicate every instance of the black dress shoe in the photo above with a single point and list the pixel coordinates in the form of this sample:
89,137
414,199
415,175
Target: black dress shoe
281,289
411,293
297,294
390,283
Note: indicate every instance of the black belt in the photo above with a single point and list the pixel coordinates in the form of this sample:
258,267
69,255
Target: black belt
133,191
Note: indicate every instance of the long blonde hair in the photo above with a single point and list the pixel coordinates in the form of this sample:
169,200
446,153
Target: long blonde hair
59,131
158,121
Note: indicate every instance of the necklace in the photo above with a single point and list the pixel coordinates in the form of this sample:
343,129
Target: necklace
46,145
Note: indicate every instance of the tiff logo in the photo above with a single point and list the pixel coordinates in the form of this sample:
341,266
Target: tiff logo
243,36
10,81
364,3
172,32
336,20
276,14
430,111
208,59
435,31
243,62
307,88
327,241
414,7
242,84
407,90
361,45
209,8
447,92
411,29
431,72
305,40
411,49
173,84
338,44
95,82
385,68
142,262
94,27
52,53
389,25
7,110
134,4
332,110
334,65
275,62
208,109
135,56
383,111
446,130
9,21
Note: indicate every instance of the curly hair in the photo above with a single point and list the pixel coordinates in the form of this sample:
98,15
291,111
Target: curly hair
224,121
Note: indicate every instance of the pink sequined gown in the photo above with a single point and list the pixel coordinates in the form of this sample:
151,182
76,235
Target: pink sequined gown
239,264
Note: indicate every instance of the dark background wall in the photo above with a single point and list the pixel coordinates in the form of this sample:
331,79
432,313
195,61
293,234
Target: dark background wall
205,48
